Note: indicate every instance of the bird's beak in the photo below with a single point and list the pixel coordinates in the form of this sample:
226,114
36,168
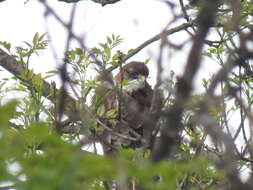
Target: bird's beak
142,78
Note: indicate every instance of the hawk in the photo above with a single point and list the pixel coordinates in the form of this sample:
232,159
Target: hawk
131,98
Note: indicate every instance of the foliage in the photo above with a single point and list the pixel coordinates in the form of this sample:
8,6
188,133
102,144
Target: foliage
46,161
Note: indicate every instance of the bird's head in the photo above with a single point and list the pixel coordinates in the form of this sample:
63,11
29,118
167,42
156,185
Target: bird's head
133,76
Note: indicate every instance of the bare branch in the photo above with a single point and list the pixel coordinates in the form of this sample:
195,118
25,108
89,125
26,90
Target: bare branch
102,2
151,40
170,132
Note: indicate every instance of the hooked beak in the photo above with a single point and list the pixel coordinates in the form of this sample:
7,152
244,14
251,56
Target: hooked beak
142,78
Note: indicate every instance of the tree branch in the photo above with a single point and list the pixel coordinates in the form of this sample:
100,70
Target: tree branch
18,70
170,132
151,40
102,2
29,79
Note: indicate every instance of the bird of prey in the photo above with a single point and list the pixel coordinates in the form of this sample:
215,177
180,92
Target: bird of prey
131,99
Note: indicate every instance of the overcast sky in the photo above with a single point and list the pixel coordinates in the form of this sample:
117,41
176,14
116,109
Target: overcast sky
134,20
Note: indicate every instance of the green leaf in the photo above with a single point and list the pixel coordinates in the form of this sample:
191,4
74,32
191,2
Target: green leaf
111,113
6,45
7,111
104,46
42,37
36,38
125,83
28,44
101,110
109,40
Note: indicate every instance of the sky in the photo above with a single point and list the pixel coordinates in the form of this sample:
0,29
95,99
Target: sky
21,21
134,21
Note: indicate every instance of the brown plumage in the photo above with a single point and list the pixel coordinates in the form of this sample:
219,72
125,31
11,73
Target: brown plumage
136,94
132,100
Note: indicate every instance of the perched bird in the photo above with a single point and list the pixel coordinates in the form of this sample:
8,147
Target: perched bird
131,99
136,93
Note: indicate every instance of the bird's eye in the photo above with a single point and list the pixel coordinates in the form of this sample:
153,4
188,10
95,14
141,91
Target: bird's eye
134,75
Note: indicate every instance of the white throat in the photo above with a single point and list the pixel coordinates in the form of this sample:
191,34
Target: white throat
134,85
